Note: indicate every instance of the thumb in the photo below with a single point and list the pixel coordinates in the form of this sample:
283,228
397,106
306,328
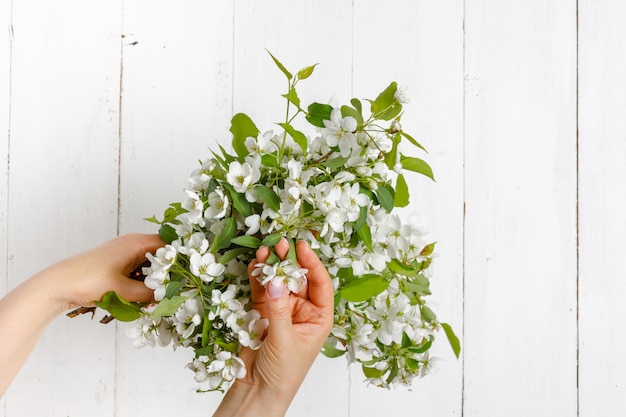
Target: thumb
278,308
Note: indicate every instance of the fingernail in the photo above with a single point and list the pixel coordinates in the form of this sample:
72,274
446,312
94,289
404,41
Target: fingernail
276,289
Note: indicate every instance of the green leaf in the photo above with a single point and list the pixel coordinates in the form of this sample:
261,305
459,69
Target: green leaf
152,219
291,254
385,197
306,72
271,240
412,140
357,105
172,288
452,339
268,196
223,240
391,157
420,285
292,97
330,351
372,372
247,241
364,288
281,66
242,127
428,314
335,162
349,111
168,306
167,233
318,112
239,200
401,198
386,107
269,160
412,363
365,234
400,268
422,348
206,326
298,137
232,254
417,165
273,258
385,99
363,211
428,249
120,308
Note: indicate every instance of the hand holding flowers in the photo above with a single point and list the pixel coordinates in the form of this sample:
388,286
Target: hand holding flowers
335,190
299,323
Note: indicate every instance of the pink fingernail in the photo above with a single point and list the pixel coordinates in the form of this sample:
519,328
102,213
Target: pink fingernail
276,289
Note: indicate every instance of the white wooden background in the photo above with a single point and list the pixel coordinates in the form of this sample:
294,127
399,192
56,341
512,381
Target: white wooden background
105,107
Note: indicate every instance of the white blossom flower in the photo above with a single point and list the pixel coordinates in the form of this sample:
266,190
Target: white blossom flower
242,176
157,275
200,178
340,132
188,317
194,207
291,275
225,302
401,95
205,267
252,331
148,331
226,367
196,243
218,205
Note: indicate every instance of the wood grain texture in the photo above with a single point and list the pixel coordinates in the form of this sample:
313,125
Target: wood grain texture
5,106
63,175
520,193
602,207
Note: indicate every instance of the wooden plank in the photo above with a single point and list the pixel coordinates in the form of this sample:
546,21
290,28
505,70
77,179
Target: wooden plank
63,187
176,102
393,41
520,193
602,207
5,106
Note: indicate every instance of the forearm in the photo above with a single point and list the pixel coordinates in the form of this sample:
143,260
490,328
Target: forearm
25,313
247,400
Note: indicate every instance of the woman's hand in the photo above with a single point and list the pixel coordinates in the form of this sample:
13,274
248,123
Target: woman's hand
86,277
299,323
80,280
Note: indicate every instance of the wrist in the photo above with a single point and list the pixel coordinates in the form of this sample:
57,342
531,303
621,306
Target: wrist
245,399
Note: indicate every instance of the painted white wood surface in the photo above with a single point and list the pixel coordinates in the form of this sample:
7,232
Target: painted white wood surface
112,104
63,176
520,327
602,195
5,98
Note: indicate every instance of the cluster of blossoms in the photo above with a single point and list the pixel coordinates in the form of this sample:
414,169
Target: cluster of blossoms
336,191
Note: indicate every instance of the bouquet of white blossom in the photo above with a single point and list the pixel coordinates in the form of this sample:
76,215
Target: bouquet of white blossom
335,189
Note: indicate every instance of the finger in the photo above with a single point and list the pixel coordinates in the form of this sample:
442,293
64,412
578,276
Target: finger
282,248
278,307
256,289
319,285
134,291
134,247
